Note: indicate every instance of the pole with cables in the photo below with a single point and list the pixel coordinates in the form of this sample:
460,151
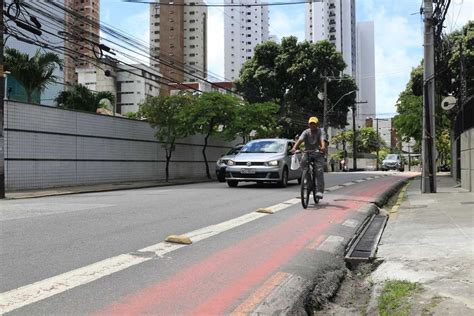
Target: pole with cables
2,107
428,179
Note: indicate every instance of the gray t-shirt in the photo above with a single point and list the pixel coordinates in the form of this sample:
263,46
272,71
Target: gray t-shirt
312,141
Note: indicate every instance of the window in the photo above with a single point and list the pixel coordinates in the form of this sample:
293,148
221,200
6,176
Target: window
192,29
249,50
192,37
192,13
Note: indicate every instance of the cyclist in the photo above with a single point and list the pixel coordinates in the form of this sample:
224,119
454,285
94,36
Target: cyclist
315,147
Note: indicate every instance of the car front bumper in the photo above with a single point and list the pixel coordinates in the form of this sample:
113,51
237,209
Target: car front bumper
261,173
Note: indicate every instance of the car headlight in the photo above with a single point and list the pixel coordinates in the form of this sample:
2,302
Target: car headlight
230,163
272,163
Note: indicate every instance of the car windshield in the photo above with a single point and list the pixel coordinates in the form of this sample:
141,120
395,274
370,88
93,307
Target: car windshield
392,157
234,151
264,146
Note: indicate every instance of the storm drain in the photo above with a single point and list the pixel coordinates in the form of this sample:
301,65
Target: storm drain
365,244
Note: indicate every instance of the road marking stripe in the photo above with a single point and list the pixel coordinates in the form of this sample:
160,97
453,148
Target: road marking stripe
334,188
250,303
40,290
316,242
37,291
351,223
331,244
348,184
360,180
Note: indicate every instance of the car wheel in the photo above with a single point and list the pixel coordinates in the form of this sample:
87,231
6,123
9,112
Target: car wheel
232,183
284,178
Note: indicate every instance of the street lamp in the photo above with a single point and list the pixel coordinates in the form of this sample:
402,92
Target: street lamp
337,102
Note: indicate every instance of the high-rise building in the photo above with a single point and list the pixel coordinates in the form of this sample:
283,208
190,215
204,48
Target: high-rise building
244,28
335,21
80,51
14,89
178,34
365,73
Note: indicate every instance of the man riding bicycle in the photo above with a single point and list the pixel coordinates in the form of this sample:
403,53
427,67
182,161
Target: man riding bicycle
315,147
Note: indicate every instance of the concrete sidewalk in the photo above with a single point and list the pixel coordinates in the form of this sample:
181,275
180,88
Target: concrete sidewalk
430,240
102,188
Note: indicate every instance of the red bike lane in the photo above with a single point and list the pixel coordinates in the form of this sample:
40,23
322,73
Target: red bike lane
230,278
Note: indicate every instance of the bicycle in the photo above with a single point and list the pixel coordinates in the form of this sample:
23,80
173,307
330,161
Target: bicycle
308,181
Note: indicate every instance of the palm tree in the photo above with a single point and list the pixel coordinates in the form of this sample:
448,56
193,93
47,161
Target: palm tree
32,72
79,97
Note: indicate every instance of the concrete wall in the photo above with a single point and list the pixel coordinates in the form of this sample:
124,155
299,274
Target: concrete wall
467,160
49,147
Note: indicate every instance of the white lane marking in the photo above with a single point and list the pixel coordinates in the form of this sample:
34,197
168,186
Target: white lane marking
41,290
37,291
360,180
348,184
331,244
351,223
369,178
334,188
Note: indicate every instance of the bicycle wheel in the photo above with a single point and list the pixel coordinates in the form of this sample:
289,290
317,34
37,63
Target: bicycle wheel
305,188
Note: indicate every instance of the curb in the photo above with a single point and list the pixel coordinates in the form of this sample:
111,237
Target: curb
326,282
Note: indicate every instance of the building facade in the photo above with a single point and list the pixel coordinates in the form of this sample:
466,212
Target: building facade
14,90
81,33
335,21
365,72
131,84
178,35
244,28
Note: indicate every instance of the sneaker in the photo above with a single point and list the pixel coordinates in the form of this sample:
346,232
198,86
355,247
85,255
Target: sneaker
319,195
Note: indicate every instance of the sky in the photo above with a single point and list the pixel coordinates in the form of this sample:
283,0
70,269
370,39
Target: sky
398,29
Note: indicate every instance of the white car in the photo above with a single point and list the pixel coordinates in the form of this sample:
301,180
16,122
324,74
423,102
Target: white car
263,160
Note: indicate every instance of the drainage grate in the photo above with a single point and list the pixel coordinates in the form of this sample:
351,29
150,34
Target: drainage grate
365,246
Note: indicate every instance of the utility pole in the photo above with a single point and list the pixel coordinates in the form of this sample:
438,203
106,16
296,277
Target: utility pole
325,110
2,106
354,138
428,180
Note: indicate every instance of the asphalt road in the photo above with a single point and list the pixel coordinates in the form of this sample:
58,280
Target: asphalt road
105,253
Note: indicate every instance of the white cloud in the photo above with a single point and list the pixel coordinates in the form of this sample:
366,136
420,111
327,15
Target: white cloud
398,48
285,23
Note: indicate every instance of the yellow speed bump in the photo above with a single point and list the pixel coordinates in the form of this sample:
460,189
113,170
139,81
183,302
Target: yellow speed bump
179,239
265,210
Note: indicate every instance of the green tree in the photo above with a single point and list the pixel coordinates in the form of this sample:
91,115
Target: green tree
165,113
34,73
79,97
211,114
291,74
253,117
367,140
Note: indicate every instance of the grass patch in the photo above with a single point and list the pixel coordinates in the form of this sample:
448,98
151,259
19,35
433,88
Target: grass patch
395,297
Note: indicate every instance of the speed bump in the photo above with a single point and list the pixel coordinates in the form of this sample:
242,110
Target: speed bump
179,239
265,210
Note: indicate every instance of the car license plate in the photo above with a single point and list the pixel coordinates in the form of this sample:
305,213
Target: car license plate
248,171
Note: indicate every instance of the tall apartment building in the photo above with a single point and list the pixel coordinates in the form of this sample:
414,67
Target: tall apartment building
365,73
244,28
335,21
178,35
14,90
79,27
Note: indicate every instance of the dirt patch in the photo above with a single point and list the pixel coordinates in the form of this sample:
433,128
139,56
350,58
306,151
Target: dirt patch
353,295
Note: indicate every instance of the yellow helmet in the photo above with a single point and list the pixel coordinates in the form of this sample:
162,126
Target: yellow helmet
313,119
